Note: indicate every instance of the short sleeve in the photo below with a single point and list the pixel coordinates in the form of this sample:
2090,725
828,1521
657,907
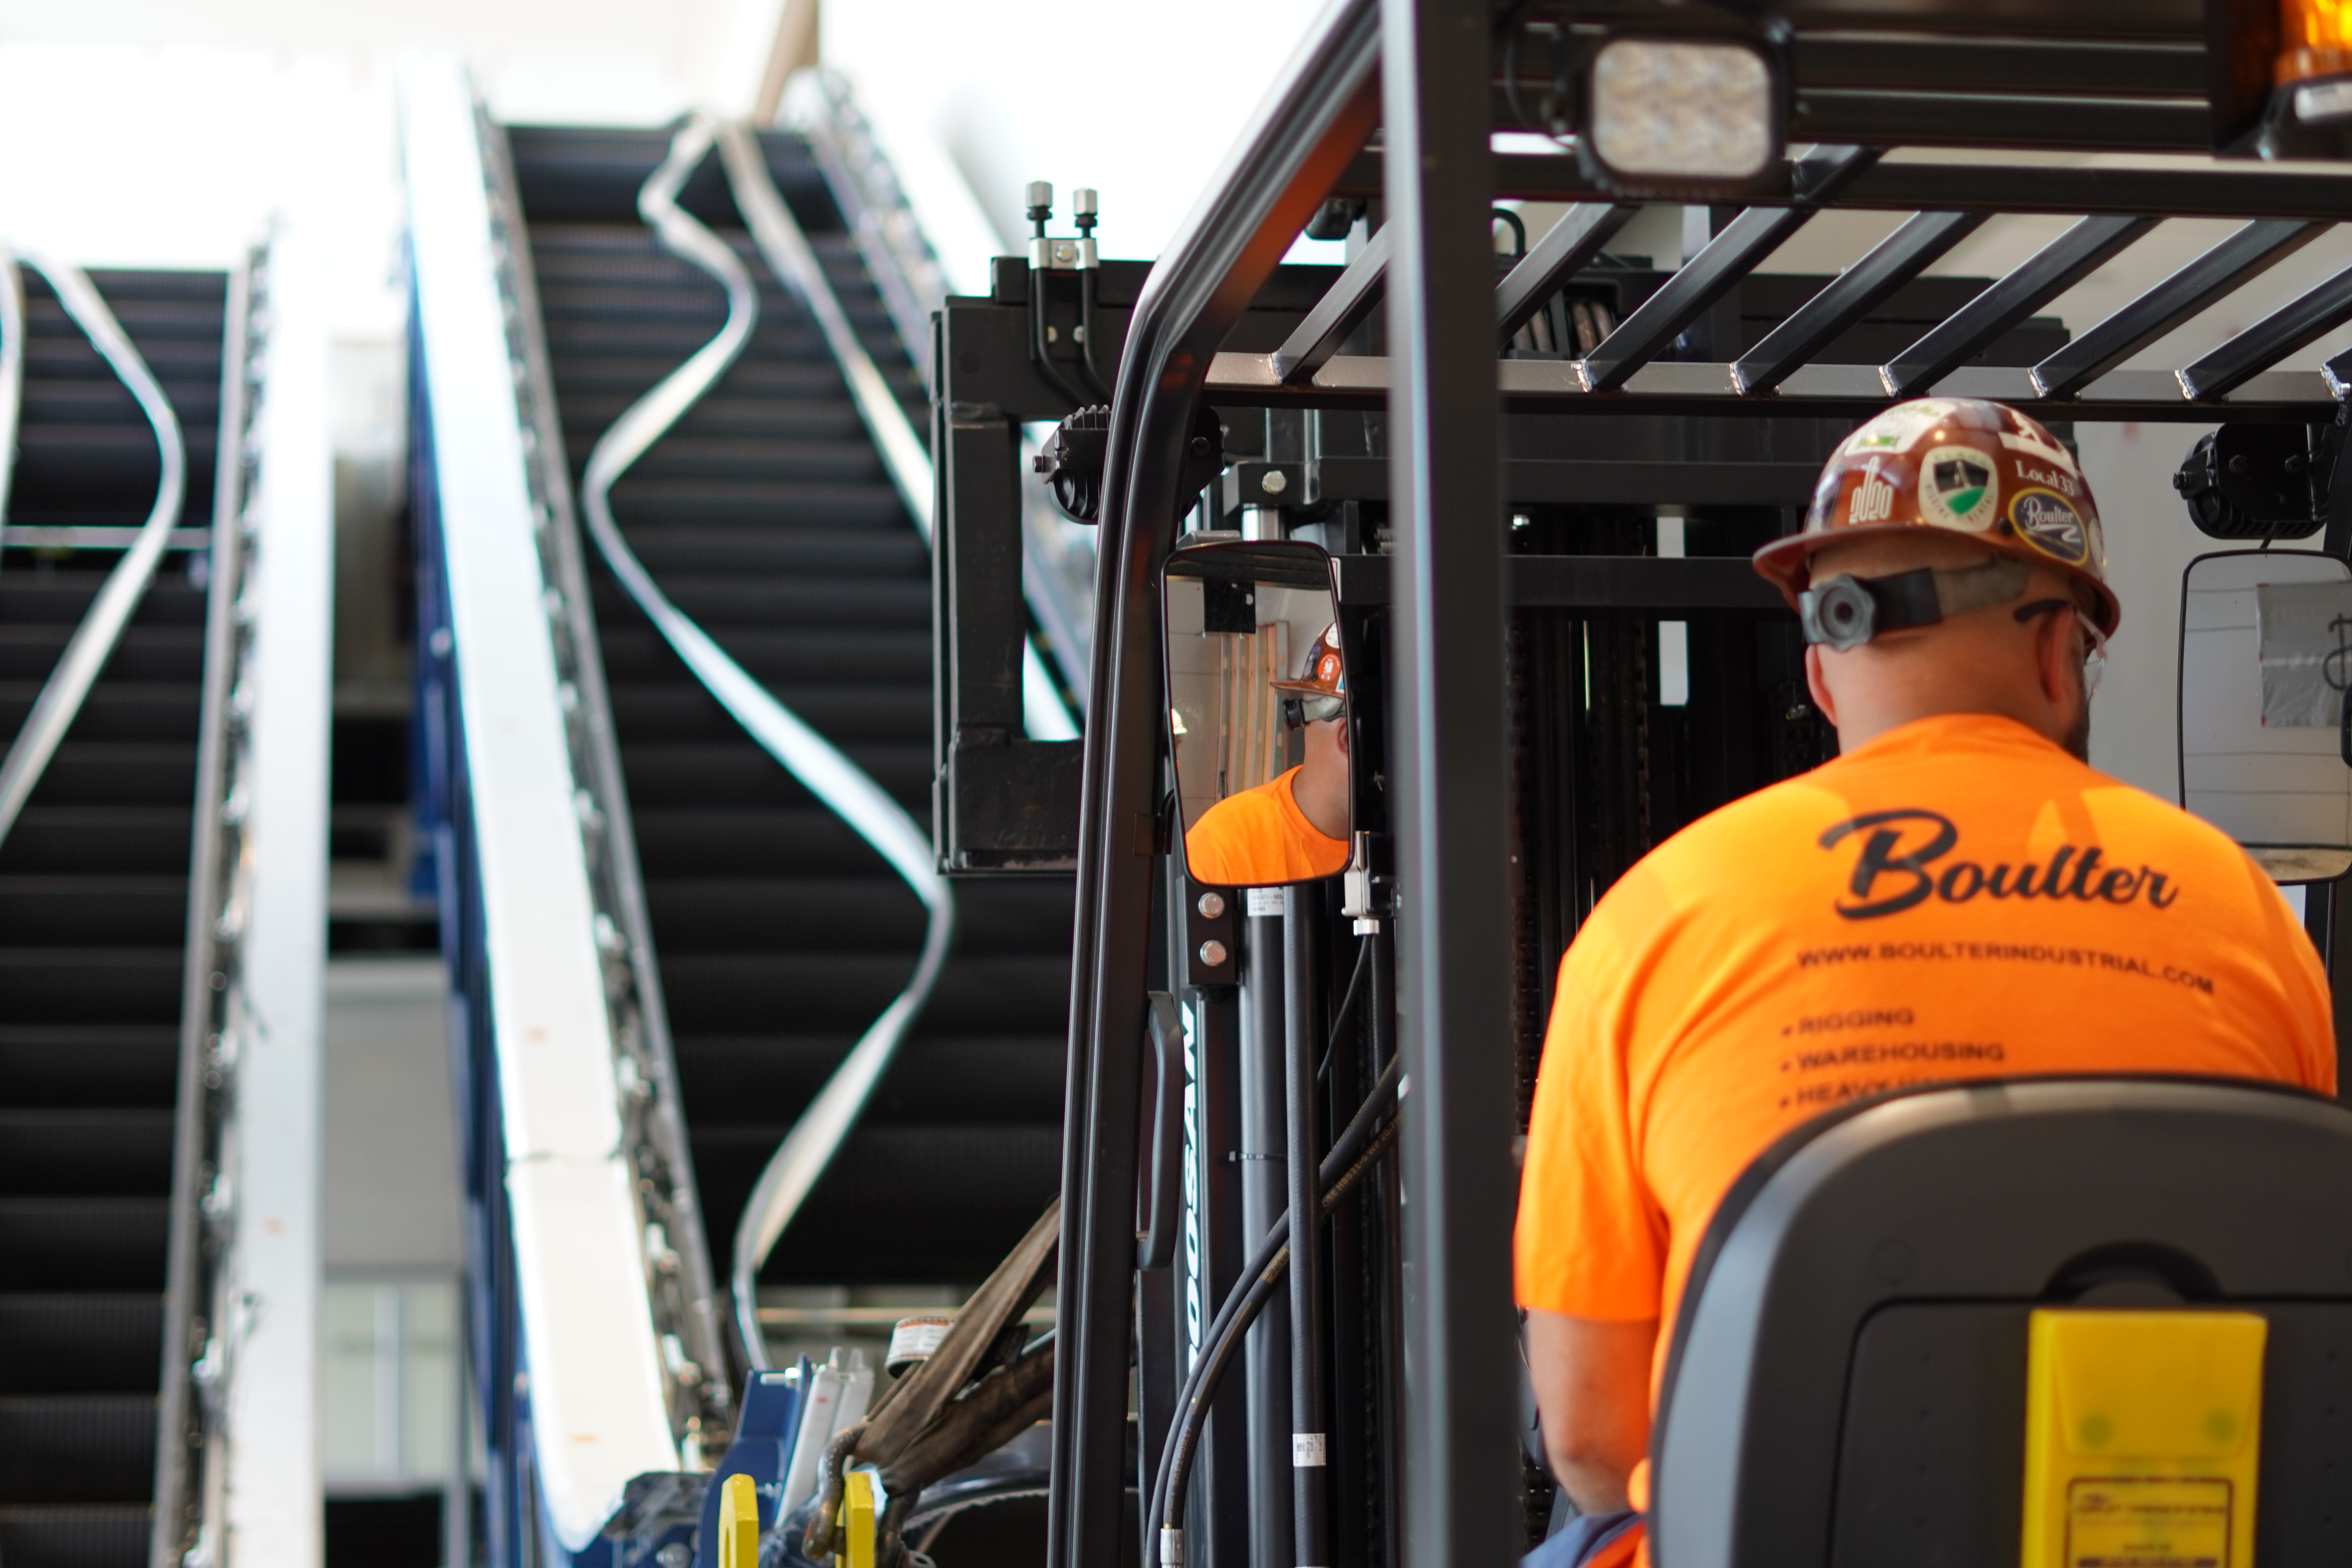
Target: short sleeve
1591,1240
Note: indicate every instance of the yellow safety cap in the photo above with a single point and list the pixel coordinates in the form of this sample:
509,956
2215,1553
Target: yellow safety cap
739,1523
2143,1437
860,1510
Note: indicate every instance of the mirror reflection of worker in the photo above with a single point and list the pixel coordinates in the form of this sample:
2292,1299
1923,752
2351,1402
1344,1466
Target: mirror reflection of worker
1294,828
1959,896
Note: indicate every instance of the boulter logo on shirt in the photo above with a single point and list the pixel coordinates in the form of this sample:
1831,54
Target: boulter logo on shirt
1902,860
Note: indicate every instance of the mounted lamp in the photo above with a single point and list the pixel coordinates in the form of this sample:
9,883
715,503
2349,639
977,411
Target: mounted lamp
1683,116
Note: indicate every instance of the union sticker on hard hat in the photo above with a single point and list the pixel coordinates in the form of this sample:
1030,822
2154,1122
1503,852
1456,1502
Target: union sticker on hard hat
1899,428
1958,489
2048,522
2037,443
1873,498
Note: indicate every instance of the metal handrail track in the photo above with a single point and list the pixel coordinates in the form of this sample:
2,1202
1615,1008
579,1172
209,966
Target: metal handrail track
93,641
12,370
827,772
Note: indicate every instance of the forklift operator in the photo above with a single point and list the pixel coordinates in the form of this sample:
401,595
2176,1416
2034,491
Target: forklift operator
1960,895
1293,827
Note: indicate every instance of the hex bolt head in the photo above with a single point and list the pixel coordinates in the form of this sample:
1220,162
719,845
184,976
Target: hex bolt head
1213,953
1274,483
1210,905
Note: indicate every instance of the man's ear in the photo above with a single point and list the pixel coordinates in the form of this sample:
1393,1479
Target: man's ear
2053,648
1340,733
1820,687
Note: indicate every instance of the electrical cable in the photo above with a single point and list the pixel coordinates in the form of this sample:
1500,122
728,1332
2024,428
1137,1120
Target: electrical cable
1347,1009
1352,1153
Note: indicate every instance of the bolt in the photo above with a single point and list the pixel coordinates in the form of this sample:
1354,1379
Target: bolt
1213,953
1274,483
2238,464
1212,905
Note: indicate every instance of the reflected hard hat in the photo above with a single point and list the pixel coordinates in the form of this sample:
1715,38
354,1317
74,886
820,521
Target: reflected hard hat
1324,674
1979,469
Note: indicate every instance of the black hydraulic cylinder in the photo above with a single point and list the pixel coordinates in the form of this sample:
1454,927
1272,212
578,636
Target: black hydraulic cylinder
1310,1426
1264,1197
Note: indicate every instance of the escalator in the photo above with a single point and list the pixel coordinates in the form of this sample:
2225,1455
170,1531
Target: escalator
94,878
766,516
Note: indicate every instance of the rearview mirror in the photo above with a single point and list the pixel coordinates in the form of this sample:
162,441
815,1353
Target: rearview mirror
1257,701
2265,752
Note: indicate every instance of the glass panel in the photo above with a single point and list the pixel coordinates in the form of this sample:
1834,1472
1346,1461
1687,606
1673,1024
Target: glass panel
2265,653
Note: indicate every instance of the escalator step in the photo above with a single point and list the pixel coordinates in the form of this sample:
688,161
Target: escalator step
737,774
703,839
98,840
60,1151
76,1448
28,653
90,1065
119,772
103,1536
84,1345
765,1080
82,1243
732,993
646,712
93,912
116,709
89,985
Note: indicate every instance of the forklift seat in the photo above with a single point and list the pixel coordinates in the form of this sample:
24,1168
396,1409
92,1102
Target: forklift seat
1846,1386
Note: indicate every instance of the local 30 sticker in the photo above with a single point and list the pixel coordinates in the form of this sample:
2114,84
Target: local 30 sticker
2048,522
1958,489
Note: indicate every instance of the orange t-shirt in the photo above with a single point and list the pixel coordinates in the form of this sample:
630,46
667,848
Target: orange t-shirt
1259,837
1960,899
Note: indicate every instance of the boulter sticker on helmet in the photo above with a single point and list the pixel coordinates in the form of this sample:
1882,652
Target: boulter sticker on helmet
1899,428
2050,524
1958,489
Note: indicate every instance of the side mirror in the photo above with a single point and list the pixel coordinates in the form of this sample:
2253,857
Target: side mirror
2265,750
1257,702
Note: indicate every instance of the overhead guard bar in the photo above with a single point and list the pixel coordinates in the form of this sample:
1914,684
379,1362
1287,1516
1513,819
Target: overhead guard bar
1283,166
1716,269
1572,243
2034,283
2245,254
92,643
2053,190
2317,310
1852,295
1344,307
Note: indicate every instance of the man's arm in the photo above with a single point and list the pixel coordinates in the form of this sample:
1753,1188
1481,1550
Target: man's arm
1592,1388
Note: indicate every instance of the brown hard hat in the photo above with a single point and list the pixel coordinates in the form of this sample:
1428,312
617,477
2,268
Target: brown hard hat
1324,674
1981,470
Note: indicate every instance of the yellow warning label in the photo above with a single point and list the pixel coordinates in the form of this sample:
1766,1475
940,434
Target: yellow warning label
2135,1521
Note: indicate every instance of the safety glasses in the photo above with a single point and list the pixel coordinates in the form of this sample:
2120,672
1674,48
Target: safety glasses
2095,641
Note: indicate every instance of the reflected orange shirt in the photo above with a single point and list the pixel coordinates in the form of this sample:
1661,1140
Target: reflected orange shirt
1259,839
1960,899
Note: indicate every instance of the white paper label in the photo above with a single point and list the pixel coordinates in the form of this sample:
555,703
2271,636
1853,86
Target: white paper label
1306,1450
1264,901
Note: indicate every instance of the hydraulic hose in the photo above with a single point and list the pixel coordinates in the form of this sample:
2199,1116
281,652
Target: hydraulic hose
93,641
820,766
1353,1153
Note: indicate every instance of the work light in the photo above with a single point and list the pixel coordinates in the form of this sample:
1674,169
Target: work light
1680,116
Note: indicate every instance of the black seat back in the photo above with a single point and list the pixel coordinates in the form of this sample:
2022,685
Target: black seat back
1846,1386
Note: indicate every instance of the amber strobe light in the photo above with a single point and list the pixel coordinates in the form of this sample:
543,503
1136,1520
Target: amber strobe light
2314,59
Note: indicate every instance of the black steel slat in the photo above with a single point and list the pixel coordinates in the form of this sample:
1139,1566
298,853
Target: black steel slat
1580,236
2245,254
2034,282
1716,271
1855,292
2317,310
1348,303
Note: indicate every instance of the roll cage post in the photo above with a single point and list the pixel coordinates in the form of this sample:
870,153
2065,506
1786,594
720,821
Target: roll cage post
1422,72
